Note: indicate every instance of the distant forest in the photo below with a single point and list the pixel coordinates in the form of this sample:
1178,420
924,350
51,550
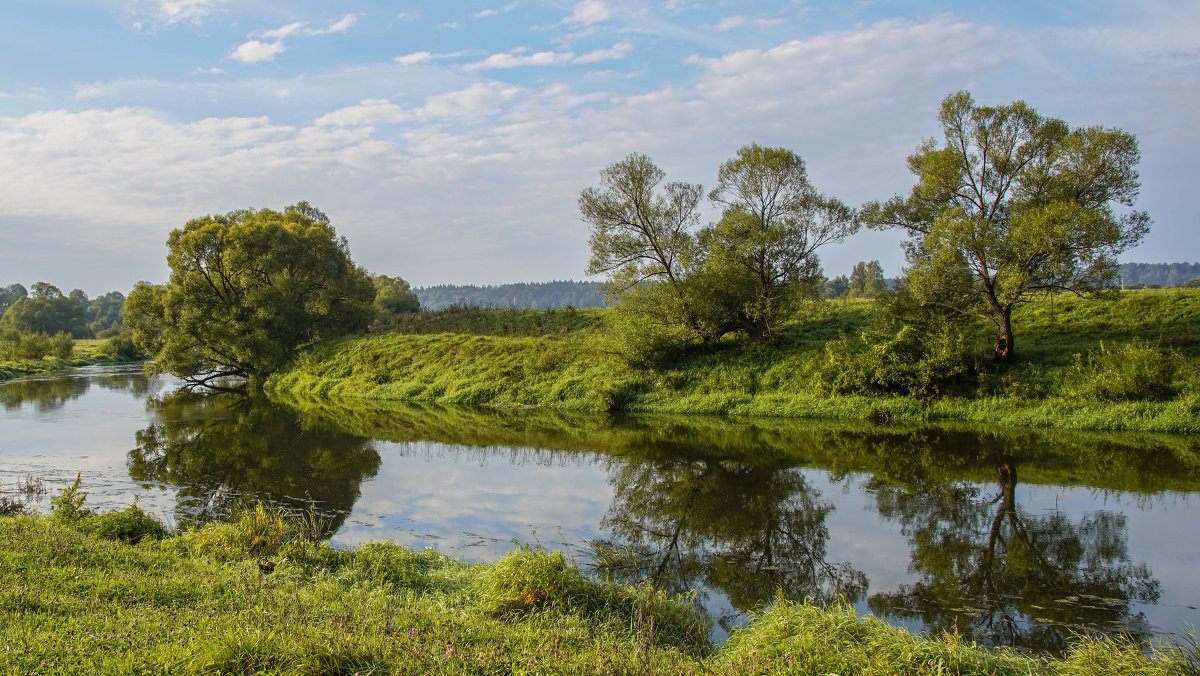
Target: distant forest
534,295
1162,274
561,294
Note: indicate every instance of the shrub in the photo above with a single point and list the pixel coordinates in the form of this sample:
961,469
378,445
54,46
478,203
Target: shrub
528,580
390,563
907,347
67,506
121,346
130,525
255,532
62,345
1137,371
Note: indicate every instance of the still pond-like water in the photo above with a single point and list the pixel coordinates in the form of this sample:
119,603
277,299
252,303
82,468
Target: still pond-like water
1013,537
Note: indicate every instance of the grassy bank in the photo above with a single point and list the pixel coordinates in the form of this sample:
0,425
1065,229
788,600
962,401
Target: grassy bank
260,596
86,352
1130,364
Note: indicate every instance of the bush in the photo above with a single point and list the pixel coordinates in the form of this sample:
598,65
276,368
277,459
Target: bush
121,346
387,562
19,346
130,525
68,506
529,580
62,345
254,532
907,347
1137,371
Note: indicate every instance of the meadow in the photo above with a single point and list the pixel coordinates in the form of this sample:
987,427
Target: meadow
1131,363
115,593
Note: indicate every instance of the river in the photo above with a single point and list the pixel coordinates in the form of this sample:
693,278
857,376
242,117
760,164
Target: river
1014,537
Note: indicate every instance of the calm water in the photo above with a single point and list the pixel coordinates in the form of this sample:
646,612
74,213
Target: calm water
1016,537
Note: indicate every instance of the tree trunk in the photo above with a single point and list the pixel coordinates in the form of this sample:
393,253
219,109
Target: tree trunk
1003,349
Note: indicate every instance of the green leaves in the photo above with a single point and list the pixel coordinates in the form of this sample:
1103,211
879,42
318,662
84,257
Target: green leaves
247,289
1019,203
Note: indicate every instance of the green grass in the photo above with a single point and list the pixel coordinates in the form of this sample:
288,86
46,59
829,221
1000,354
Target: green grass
87,351
260,596
1082,364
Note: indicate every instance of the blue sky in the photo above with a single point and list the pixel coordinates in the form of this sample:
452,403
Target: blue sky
448,141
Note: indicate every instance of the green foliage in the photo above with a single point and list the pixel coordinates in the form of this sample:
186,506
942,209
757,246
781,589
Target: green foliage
62,345
68,504
48,311
247,289
130,525
104,312
254,532
528,580
527,295
1014,204
743,274
71,603
773,222
908,347
393,297
121,347
1136,371
9,295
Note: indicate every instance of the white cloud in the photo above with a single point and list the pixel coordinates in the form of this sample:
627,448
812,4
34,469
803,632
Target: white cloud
254,51
730,22
414,58
485,13
407,16
369,111
518,58
340,26
88,91
475,101
200,70
178,11
284,31
588,12
617,51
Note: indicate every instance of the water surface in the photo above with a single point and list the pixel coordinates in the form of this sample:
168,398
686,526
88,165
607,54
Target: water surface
1015,537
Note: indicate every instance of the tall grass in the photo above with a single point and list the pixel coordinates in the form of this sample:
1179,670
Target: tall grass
207,602
1128,364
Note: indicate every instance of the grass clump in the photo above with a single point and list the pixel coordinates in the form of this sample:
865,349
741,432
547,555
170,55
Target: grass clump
530,580
72,602
1135,371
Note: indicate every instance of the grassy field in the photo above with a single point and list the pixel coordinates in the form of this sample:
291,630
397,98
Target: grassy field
1128,364
260,596
87,351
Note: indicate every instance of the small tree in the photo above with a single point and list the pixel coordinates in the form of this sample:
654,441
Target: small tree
773,223
642,240
866,280
1013,204
248,289
393,296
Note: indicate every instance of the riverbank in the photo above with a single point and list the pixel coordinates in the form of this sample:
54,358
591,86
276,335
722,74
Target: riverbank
86,353
261,595
1132,364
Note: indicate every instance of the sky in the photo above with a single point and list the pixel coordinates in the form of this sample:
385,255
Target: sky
449,141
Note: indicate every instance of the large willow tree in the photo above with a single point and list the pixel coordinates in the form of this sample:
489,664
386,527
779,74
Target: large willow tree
1011,204
247,289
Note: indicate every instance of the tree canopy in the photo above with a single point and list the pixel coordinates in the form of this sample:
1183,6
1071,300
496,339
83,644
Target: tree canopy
1011,204
738,275
393,296
247,289
46,310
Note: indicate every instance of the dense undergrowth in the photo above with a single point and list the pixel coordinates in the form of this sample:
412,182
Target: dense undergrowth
261,595
1132,363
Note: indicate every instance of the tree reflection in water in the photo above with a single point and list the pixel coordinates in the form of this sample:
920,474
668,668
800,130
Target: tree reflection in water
989,568
218,449
747,530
